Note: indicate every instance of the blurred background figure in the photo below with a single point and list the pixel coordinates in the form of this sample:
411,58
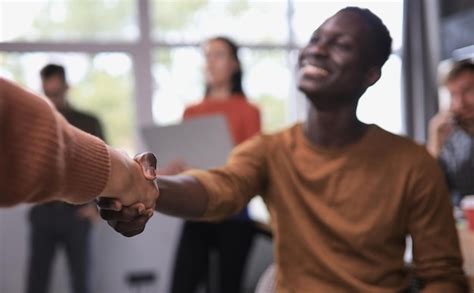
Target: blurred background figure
58,224
220,248
451,133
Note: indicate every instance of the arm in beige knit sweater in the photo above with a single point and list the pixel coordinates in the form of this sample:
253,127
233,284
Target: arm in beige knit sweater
43,157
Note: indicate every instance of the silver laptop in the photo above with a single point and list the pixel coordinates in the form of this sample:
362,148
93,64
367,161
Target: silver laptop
202,142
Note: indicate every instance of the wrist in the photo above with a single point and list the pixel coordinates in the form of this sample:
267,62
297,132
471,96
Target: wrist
119,181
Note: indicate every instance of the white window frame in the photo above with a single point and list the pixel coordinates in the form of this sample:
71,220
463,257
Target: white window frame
141,50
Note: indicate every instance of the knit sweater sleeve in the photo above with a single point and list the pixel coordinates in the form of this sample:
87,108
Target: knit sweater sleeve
42,156
436,251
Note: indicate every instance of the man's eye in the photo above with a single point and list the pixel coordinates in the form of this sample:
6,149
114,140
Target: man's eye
314,39
343,45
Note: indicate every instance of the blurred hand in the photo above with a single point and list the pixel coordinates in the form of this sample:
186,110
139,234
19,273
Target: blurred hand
130,220
441,126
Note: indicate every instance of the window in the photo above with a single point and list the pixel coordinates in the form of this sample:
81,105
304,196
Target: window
100,84
269,91
179,82
67,20
382,103
195,20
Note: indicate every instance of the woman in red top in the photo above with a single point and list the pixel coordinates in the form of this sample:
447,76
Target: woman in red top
229,240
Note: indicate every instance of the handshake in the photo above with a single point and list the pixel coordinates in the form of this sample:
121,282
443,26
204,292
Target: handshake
129,198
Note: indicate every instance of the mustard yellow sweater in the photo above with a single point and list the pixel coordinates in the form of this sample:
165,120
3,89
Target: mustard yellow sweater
340,216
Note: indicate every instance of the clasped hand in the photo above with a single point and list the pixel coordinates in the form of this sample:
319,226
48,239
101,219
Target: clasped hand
128,208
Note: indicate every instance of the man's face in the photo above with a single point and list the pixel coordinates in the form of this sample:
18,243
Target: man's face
461,89
333,66
55,89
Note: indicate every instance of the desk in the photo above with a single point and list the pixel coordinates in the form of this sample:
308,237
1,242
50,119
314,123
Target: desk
466,239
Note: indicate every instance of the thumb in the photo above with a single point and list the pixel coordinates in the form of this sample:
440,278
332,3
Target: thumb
147,162
106,203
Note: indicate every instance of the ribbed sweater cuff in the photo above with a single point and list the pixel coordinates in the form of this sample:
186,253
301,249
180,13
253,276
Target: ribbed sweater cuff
89,172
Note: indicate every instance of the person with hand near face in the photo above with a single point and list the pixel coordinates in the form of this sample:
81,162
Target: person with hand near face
343,195
451,133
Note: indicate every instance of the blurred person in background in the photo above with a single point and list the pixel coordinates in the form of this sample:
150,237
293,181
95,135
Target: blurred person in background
58,224
230,240
451,133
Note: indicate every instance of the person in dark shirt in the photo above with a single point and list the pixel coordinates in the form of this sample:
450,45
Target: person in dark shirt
59,224
451,133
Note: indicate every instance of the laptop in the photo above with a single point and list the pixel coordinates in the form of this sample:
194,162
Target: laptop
201,143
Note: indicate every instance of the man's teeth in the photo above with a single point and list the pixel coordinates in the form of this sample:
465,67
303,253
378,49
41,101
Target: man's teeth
315,69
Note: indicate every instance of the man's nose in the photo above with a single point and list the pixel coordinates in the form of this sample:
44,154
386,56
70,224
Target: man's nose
318,49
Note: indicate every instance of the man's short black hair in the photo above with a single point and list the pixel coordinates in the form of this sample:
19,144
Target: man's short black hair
382,42
53,70
459,68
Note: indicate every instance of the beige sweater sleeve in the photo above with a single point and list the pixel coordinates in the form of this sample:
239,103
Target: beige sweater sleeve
42,157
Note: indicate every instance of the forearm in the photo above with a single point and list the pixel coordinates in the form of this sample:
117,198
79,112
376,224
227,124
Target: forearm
181,196
44,157
119,176
217,193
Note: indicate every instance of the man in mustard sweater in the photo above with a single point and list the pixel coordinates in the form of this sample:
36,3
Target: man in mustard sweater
342,195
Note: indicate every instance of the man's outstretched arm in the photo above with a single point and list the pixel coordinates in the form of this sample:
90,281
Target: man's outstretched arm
205,195
182,196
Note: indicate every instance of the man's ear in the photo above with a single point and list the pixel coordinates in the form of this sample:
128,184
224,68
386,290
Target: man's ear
373,74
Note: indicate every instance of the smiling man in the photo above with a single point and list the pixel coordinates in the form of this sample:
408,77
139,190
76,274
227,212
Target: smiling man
342,195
